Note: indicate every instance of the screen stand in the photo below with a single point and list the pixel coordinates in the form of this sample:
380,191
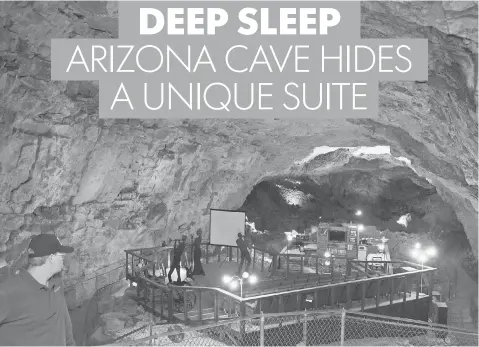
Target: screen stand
224,260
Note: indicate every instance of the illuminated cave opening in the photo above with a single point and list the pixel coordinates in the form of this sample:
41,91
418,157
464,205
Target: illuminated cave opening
285,203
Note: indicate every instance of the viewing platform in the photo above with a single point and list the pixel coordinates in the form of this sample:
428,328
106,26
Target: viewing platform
286,283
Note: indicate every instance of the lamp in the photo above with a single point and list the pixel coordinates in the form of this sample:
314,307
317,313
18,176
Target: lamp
234,280
423,255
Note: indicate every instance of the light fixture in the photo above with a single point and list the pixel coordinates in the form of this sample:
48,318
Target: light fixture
431,251
417,245
227,279
327,254
359,213
234,284
252,279
422,258
327,263
245,275
360,227
414,253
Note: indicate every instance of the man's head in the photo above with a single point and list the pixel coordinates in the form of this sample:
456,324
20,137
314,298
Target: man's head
199,232
240,235
47,252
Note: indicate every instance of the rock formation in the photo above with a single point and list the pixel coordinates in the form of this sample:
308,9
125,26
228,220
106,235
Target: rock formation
106,185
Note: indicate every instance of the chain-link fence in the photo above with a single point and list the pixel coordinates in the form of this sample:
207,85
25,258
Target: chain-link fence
308,329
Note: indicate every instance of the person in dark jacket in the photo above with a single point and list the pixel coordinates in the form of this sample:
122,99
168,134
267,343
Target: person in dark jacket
175,264
33,310
244,254
198,268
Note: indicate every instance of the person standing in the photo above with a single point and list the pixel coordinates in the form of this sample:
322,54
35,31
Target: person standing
175,264
244,254
198,268
33,311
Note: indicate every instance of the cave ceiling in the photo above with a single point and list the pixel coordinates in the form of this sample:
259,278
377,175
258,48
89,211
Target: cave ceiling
105,185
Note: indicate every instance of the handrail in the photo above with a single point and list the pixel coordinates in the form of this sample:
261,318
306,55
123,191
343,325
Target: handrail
79,280
220,290
376,261
303,290
290,292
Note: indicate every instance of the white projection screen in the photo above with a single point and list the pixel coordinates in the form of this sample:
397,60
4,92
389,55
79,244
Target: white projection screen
225,226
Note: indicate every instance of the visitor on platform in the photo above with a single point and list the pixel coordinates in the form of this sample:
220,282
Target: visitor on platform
33,310
244,254
198,268
175,264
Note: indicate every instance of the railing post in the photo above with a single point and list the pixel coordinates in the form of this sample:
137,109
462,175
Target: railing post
348,267
151,331
262,261
200,308
305,328
185,303
287,266
126,266
153,297
217,306
170,305
261,330
242,322
343,323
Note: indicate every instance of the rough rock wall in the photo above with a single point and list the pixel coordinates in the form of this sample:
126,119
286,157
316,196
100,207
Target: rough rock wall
107,185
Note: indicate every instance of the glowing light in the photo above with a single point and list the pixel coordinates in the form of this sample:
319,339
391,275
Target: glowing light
227,279
431,251
359,213
417,245
327,254
233,284
422,258
245,275
381,247
253,279
414,253
360,227
289,237
327,262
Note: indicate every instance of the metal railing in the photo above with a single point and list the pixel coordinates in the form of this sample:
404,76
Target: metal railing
332,290
84,288
311,328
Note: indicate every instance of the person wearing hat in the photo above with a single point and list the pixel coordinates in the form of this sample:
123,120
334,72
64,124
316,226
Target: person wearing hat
244,254
175,264
33,311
